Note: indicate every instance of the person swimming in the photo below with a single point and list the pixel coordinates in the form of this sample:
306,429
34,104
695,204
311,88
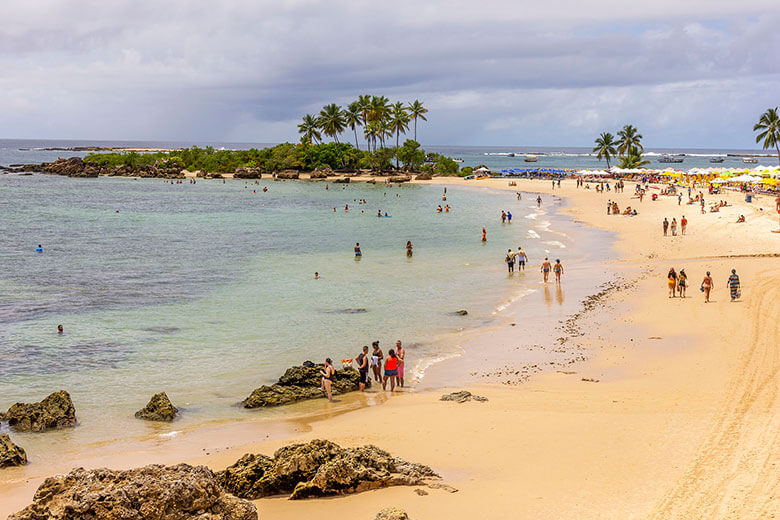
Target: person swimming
39,249
60,330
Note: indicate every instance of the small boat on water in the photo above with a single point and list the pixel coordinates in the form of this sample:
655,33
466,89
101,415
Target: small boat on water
716,160
670,159
530,158
750,160
458,159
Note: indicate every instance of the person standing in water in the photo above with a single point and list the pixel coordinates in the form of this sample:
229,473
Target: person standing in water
362,363
39,249
538,201
558,270
327,375
357,249
60,330
376,361
546,269
391,370
522,258
509,216
510,261
484,234
706,287
409,248
316,275
400,351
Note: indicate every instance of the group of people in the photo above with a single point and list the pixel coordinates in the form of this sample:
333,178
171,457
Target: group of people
678,282
520,257
672,226
556,268
384,369
506,216
613,209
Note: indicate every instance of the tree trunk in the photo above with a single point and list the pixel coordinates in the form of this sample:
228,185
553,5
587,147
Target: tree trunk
396,149
778,152
415,129
357,146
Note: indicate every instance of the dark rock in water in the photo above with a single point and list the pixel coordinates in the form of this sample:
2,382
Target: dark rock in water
423,177
159,408
462,312
10,453
54,412
462,397
392,513
400,178
341,180
309,364
180,492
300,383
320,468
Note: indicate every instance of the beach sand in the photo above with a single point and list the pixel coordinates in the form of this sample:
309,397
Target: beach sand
672,415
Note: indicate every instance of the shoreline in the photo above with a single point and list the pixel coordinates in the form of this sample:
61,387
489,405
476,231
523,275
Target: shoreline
640,435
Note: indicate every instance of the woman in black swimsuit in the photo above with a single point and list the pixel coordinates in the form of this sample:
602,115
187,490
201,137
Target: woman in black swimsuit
327,373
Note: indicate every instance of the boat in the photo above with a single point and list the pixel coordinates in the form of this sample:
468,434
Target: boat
716,160
458,159
670,159
510,154
530,158
750,160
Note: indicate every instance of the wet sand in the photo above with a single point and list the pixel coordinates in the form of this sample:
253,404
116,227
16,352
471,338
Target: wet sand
673,413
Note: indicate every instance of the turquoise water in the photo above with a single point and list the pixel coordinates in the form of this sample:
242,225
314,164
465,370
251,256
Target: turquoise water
207,291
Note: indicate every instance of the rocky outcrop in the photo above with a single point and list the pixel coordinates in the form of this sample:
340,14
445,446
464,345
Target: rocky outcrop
400,178
10,453
341,180
245,172
320,468
462,397
54,412
318,174
156,492
73,167
159,408
392,513
300,383
423,177
288,174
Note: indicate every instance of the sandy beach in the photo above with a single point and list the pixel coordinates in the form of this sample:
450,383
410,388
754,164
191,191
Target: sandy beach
672,414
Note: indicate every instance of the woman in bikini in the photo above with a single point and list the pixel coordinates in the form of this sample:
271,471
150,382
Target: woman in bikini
672,281
706,287
682,283
327,375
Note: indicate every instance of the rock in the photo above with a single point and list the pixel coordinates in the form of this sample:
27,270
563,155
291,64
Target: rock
245,172
54,412
462,312
320,468
391,513
287,174
10,453
180,492
341,180
318,174
420,492
159,408
443,487
423,177
400,178
462,397
300,383
73,167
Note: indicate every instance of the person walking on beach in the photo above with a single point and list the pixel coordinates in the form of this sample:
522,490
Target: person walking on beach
409,248
666,226
376,361
362,365
733,285
546,269
400,351
558,270
510,261
682,283
391,370
521,258
674,227
671,280
609,207
706,287
683,224
327,374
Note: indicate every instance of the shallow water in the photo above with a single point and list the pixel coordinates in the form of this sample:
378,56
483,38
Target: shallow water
207,291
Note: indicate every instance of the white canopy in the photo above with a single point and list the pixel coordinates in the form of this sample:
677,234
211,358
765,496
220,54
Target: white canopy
482,169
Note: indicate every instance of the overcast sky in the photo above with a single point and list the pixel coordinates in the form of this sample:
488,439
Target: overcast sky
687,73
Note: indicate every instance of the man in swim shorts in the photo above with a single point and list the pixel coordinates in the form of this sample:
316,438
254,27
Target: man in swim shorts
546,269
362,363
401,353
510,260
521,257
357,249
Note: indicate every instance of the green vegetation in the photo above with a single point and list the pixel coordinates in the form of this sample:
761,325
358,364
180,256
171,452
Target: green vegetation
628,144
769,125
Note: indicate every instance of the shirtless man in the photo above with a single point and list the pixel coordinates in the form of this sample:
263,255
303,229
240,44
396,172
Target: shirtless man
546,266
400,352
522,258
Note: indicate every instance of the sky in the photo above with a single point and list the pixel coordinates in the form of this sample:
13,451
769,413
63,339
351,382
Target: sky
687,73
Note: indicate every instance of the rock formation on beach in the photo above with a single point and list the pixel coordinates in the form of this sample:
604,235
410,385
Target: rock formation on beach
391,513
288,174
425,176
10,453
300,383
159,408
180,492
54,412
462,397
320,468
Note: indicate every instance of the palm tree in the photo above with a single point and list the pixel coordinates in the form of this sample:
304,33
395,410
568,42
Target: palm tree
770,124
331,121
633,159
309,128
386,124
605,146
372,130
353,118
399,120
629,138
417,110
364,102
